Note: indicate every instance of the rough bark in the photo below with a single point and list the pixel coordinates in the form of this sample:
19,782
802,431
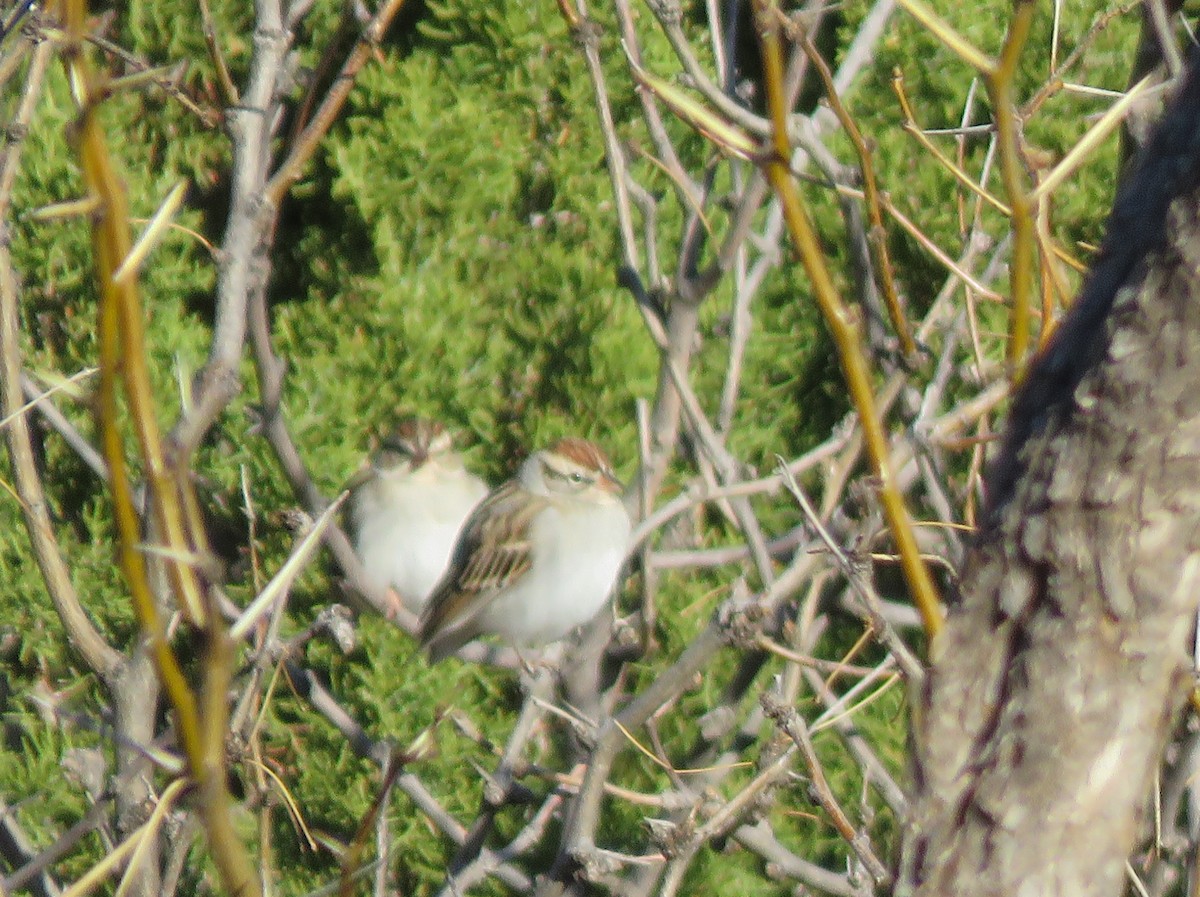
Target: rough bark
1055,683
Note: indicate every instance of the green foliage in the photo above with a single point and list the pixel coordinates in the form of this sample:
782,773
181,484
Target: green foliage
938,86
482,220
452,251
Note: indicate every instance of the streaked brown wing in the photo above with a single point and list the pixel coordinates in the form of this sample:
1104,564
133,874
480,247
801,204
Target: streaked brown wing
493,550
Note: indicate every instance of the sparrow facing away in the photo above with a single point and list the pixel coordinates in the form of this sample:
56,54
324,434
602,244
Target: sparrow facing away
535,559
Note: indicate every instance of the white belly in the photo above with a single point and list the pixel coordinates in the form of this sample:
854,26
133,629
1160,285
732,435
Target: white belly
570,579
404,533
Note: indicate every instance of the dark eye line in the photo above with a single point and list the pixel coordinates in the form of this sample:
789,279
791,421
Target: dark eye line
401,447
571,476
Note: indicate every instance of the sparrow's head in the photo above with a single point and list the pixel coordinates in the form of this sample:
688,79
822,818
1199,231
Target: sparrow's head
573,467
412,443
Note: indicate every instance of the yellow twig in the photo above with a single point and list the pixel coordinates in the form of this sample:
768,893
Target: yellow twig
293,807
153,824
67,384
663,764
134,843
1067,259
999,76
201,727
843,326
194,234
1000,89
851,710
719,131
1089,141
68,208
877,236
110,245
123,343
282,581
151,234
912,129
938,253
948,36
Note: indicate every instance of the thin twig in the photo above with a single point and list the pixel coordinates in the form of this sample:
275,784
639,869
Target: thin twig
845,330
81,632
306,144
201,722
790,722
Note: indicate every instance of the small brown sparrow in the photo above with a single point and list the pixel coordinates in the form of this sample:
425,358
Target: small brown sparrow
407,506
537,558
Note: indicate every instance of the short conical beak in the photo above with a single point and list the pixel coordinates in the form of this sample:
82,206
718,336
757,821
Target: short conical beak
610,483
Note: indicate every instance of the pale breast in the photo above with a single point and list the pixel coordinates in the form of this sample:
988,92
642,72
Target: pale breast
404,531
575,567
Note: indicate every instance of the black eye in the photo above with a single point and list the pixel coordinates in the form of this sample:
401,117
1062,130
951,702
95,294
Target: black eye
575,477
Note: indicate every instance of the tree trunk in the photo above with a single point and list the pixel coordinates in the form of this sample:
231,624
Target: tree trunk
1058,675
